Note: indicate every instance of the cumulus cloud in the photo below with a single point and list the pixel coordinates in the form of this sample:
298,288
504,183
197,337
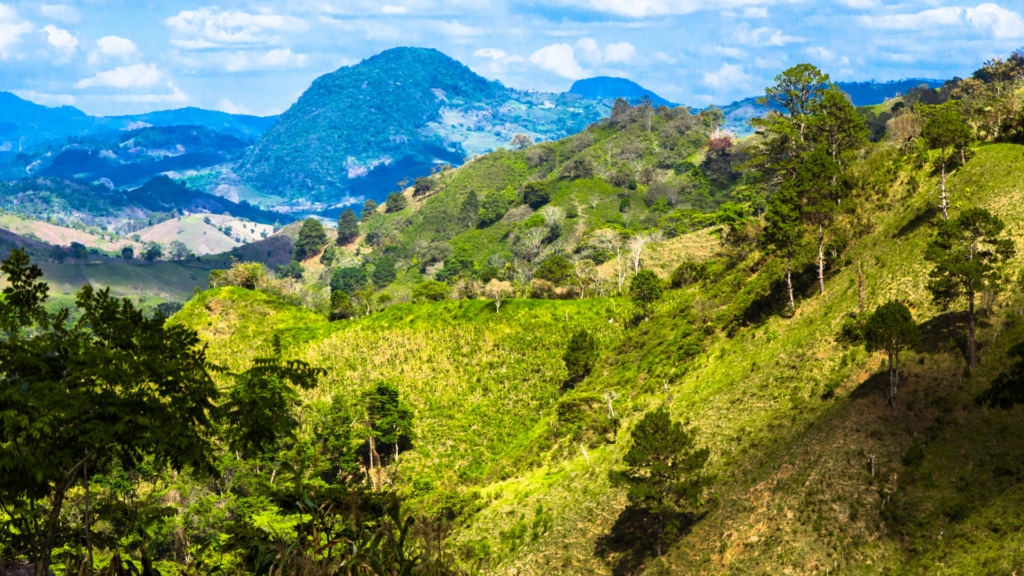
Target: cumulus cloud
590,50
1000,22
457,30
389,9
232,108
728,77
60,12
46,99
645,8
134,76
858,3
59,38
11,29
116,46
212,27
666,58
242,61
620,52
764,36
822,53
560,59
731,52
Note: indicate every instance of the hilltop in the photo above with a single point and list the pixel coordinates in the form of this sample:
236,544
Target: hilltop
358,130
605,87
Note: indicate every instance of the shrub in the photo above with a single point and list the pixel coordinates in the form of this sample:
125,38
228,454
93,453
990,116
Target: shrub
914,454
291,270
581,354
249,275
688,273
431,290
384,272
536,194
396,202
348,280
541,289
555,269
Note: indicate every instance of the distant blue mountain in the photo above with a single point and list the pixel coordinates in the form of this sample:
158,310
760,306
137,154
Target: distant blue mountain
604,87
25,124
871,93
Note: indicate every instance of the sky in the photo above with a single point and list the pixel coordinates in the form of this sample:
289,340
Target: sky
110,57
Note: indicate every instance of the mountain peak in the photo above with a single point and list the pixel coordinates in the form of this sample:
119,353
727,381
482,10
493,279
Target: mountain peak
602,87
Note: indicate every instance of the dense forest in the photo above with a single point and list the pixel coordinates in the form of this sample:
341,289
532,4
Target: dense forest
650,347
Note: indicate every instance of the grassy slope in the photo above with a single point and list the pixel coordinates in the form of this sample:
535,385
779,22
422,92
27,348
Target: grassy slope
202,238
794,492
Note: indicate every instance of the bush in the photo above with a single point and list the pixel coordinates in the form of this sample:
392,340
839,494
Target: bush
348,280
292,270
541,289
555,269
581,354
914,454
536,194
431,290
689,272
242,275
424,185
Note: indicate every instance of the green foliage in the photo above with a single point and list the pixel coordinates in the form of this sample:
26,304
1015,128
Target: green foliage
689,272
663,470
369,208
536,194
423,185
329,256
396,202
384,272
430,290
459,264
390,421
946,129
581,354
341,308
292,270
555,269
312,238
348,280
153,252
127,253
348,227
1007,389
496,203
891,328
645,289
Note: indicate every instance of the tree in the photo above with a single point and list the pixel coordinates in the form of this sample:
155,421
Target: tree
79,251
384,272
783,231
585,273
431,290
521,142
365,299
469,211
424,184
498,291
348,227
396,202
796,92
965,253
645,289
836,125
312,238
112,388
890,328
663,471
292,270
389,423
179,251
348,280
341,308
580,354
127,253
496,203
153,252
460,263
945,130
329,256
1007,390
555,269
816,185
536,194
369,207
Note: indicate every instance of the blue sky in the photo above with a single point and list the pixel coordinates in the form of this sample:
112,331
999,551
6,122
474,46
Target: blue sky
110,57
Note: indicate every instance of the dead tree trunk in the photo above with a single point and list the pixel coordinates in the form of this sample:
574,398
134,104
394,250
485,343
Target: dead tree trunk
789,281
821,258
944,205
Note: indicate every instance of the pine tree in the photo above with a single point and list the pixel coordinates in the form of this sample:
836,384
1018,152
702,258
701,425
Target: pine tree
312,237
369,207
469,211
836,125
966,252
945,130
396,202
783,232
818,188
384,272
348,227
645,288
663,471
389,423
891,328
581,354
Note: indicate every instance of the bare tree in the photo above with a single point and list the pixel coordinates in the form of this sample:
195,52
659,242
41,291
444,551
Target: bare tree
585,273
498,291
636,249
521,142
534,239
904,128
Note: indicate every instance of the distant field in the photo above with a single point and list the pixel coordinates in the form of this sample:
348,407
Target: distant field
58,235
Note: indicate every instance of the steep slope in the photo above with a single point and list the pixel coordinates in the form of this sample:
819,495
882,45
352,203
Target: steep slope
604,87
358,130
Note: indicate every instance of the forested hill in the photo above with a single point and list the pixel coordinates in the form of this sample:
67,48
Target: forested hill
604,87
362,128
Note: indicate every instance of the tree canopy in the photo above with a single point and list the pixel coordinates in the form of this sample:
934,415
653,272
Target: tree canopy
891,328
312,238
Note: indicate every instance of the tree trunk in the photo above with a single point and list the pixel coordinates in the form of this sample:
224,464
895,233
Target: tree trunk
970,329
821,259
43,562
661,532
88,534
944,205
860,288
789,281
373,452
896,378
892,385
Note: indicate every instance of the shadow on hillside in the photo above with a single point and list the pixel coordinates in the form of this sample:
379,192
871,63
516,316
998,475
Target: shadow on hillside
920,219
876,385
947,333
633,540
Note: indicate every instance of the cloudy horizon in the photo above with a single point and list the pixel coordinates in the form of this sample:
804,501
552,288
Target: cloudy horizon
110,57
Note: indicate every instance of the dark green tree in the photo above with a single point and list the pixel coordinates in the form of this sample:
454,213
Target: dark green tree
389,423
581,354
79,251
966,252
1007,390
369,207
496,203
127,253
817,185
153,252
423,185
396,202
891,328
341,307
292,270
645,288
384,272
835,124
331,424
459,264
945,130
783,231
536,194
555,269
312,238
348,227
469,212
431,290
329,256
348,280
663,472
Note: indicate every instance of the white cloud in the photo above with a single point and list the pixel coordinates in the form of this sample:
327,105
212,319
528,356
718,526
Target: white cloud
134,76
453,28
666,58
280,58
728,77
919,21
175,97
11,29
620,52
389,9
753,12
769,63
764,36
59,38
822,53
46,99
857,3
60,12
232,108
1005,24
113,46
560,59
645,8
212,27
493,53
590,50
731,52
1002,23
